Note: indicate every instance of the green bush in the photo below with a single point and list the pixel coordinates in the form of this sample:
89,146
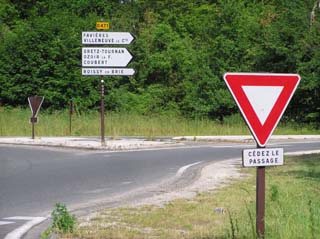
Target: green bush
62,221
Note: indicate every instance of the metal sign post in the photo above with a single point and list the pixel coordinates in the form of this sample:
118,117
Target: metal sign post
33,120
71,111
260,158
106,61
262,99
102,112
260,199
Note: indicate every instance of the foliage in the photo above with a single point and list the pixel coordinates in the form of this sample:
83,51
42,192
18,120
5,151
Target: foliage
182,49
62,221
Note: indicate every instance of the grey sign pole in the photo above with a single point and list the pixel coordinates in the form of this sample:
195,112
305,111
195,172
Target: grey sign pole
102,112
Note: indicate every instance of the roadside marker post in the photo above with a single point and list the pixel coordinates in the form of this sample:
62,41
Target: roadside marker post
35,103
262,99
105,61
71,111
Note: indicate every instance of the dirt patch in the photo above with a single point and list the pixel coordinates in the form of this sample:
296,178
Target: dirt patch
212,176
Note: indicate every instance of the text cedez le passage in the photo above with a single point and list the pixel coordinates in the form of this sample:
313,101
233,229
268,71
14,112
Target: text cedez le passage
269,156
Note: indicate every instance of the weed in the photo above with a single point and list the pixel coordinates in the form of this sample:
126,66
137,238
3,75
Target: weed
252,221
312,221
62,221
232,225
274,193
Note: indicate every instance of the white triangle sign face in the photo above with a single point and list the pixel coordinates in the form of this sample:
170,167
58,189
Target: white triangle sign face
262,99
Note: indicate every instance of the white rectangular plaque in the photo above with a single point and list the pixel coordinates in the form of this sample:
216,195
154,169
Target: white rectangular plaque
262,157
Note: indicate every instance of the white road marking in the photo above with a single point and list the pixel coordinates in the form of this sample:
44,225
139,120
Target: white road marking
184,168
126,182
20,231
5,223
98,190
228,146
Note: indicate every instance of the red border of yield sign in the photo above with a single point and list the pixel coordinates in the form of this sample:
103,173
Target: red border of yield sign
235,81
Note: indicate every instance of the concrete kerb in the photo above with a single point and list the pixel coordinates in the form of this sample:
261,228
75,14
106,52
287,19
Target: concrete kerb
134,143
244,138
92,143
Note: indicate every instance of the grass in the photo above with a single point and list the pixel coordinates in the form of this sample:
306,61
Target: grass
292,210
15,122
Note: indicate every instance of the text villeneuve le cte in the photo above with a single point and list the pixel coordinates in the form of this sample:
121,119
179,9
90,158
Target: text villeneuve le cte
99,38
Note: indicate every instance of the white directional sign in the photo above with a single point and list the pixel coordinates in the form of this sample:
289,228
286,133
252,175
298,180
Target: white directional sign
262,157
105,56
104,38
108,71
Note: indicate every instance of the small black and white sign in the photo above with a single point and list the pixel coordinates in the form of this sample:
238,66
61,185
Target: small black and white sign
105,56
108,71
107,38
262,157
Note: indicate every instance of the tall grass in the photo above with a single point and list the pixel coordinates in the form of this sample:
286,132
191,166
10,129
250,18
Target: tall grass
292,205
15,122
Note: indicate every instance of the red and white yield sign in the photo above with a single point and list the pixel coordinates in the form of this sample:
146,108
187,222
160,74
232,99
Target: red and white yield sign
262,99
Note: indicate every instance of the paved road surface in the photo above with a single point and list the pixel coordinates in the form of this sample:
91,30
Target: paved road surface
33,179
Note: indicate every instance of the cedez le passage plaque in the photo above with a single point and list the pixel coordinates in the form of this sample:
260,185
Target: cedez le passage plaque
262,157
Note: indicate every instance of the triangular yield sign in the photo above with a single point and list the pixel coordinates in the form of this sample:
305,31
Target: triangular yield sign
262,99
35,103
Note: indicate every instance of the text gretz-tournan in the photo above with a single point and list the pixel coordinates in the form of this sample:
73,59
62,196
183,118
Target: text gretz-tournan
99,56
104,50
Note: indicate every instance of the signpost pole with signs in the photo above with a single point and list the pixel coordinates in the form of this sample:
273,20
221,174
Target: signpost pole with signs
262,99
106,61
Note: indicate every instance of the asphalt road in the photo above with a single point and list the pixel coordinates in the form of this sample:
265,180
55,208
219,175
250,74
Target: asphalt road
33,179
